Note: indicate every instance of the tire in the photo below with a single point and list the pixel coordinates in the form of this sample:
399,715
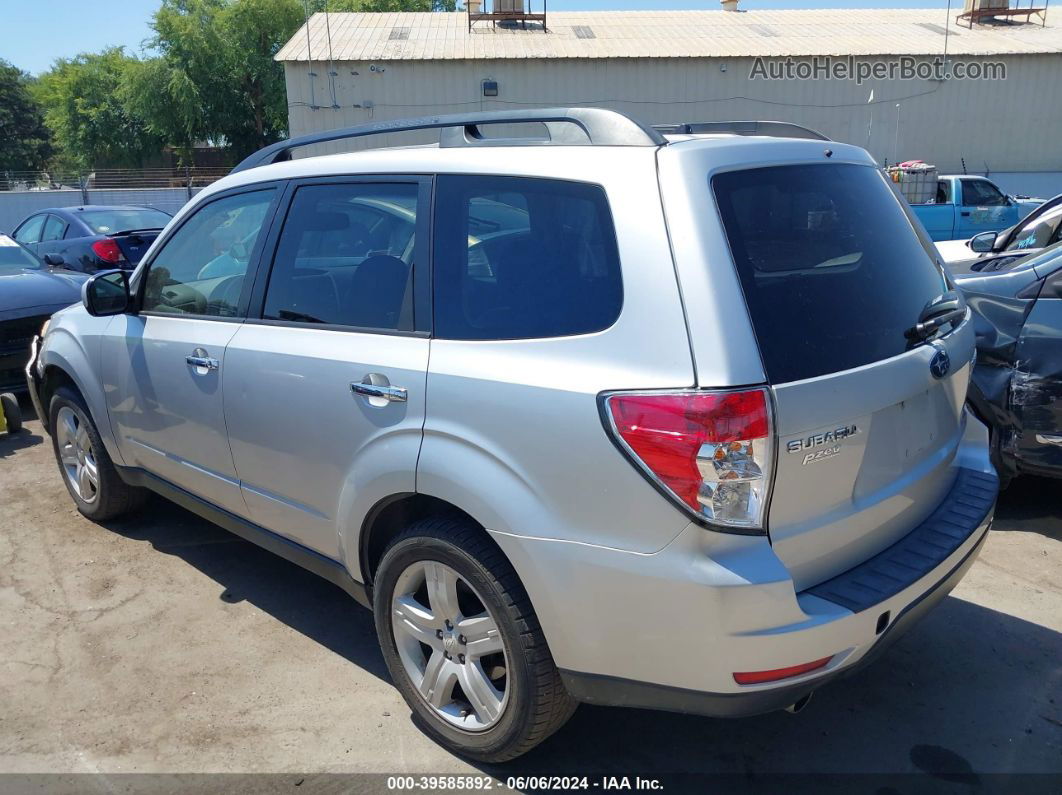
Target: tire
12,412
534,704
110,496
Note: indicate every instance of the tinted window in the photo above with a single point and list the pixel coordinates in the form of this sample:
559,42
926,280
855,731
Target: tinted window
980,193
345,257
200,269
832,270
517,258
1042,231
14,258
53,228
30,231
109,222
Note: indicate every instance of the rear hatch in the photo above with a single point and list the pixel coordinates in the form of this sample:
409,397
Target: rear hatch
868,415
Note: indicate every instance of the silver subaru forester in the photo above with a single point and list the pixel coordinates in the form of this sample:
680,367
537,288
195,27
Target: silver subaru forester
654,417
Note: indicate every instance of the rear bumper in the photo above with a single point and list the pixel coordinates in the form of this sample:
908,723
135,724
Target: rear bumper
612,691
669,630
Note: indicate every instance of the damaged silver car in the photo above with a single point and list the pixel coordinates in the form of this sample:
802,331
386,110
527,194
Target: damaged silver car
1017,383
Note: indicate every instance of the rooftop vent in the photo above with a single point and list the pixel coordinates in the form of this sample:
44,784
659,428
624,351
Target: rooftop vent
399,34
583,32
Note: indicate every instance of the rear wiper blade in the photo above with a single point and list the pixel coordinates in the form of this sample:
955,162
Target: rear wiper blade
942,310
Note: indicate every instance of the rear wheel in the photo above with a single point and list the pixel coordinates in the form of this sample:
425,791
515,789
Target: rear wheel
88,473
463,644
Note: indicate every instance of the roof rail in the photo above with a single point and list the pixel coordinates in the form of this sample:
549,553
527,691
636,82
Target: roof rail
775,129
599,127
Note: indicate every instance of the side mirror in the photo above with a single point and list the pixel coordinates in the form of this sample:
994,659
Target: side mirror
107,294
983,242
54,261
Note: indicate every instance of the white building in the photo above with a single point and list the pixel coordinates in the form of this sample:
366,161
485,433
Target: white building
674,66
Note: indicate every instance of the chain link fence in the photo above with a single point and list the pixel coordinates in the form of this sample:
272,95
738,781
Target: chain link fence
23,193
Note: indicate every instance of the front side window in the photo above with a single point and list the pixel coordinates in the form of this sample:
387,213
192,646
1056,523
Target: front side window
832,270
981,193
1042,231
519,258
345,257
14,258
200,270
30,232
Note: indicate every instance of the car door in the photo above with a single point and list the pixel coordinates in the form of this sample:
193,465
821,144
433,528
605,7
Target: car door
162,366
1036,385
983,208
51,236
28,232
324,390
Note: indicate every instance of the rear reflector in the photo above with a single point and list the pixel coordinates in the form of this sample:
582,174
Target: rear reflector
108,251
708,450
759,677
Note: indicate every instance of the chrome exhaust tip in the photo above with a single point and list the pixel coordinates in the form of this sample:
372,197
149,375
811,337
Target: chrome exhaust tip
799,704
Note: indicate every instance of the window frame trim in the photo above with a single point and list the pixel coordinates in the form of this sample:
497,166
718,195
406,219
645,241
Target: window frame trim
253,263
422,248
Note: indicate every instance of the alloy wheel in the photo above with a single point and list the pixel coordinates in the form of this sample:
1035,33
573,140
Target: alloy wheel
450,645
75,455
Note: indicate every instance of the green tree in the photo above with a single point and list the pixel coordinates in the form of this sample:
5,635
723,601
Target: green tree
27,142
86,114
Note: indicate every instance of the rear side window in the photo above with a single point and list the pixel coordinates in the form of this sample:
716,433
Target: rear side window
345,257
53,228
519,258
832,270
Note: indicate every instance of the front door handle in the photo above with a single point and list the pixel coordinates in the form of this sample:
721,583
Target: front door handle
391,394
201,361
1049,438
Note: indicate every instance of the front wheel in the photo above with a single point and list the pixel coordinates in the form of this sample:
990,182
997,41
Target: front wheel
463,644
88,473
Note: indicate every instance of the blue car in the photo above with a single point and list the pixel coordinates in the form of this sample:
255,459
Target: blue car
93,237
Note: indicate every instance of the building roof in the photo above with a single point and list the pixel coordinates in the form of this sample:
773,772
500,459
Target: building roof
663,34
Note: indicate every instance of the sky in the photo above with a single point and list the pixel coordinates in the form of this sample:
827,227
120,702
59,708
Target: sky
39,31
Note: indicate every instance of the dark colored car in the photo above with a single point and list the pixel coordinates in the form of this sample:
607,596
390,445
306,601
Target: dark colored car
1017,381
93,237
29,294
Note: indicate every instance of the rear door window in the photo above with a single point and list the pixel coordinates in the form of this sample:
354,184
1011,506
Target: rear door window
53,228
345,257
519,258
832,270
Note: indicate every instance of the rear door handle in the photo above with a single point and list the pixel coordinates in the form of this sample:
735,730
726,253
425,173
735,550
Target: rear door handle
392,394
965,213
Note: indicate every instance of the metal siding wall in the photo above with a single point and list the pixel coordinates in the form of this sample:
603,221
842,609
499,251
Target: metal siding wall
996,126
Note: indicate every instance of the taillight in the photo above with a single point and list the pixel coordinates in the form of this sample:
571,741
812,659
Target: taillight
108,251
711,451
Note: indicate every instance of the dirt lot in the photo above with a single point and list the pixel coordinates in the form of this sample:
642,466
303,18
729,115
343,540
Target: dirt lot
165,644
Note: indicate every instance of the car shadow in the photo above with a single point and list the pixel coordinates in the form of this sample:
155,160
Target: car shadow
11,443
969,690
246,572
1028,505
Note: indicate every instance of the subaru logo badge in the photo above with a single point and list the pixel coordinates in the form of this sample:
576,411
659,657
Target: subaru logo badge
940,364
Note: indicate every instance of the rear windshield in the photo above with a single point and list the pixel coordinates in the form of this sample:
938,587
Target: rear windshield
832,270
108,222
